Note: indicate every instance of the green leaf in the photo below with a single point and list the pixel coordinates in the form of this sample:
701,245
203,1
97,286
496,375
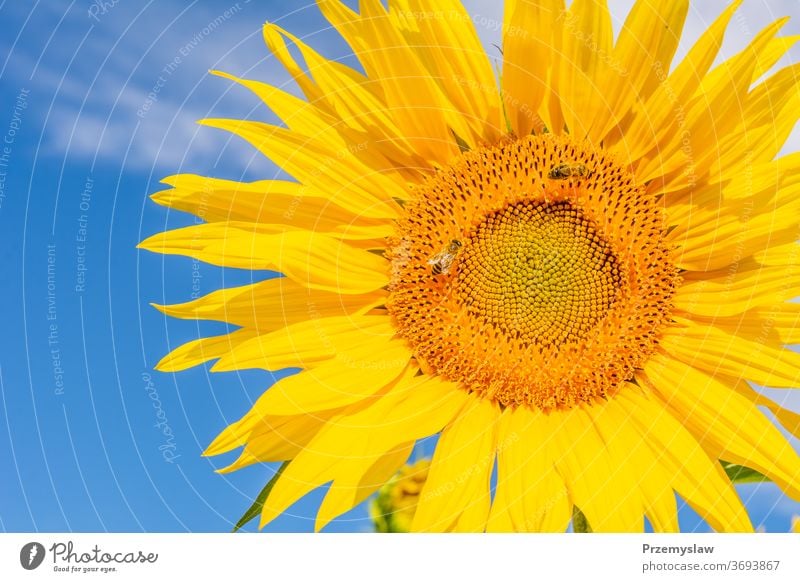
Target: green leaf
258,504
579,521
742,474
463,146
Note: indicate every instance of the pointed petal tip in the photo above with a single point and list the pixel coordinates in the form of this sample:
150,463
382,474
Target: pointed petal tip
162,197
222,366
319,524
265,518
163,366
153,243
223,74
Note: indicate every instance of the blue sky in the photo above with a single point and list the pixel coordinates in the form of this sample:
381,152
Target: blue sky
99,101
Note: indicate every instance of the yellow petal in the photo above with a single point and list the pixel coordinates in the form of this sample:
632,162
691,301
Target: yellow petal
531,495
272,304
693,150
255,424
361,481
789,419
414,100
307,119
776,50
499,517
716,238
696,477
323,166
768,54
232,437
647,41
275,213
528,57
345,94
413,410
213,199
455,58
733,291
769,116
671,18
299,115
456,493
725,423
652,121
202,350
600,489
346,379
731,195
264,202
311,259
585,39
729,189
307,344
784,318
646,473
709,348
277,438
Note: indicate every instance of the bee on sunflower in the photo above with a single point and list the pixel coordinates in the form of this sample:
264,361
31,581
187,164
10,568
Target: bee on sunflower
624,271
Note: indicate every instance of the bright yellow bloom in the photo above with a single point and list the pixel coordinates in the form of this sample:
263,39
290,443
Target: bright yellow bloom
575,277
393,508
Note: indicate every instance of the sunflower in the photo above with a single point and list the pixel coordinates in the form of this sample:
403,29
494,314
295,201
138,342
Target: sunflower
575,275
392,509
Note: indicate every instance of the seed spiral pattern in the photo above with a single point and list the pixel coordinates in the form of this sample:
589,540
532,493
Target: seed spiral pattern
539,271
559,287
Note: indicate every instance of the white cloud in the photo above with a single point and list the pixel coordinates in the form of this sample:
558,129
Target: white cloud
165,138
97,96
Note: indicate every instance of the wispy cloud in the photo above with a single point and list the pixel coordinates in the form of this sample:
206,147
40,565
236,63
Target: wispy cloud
136,87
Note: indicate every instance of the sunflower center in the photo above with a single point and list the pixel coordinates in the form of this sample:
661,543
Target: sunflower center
539,271
534,273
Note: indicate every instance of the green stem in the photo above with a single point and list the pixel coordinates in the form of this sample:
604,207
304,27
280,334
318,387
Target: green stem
258,504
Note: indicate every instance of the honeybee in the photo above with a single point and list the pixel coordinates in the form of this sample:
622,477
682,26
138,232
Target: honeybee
564,171
442,261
